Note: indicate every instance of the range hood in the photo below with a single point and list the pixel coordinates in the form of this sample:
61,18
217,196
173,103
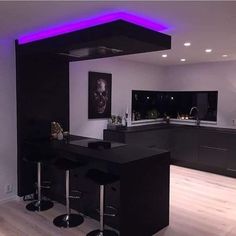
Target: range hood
99,51
106,40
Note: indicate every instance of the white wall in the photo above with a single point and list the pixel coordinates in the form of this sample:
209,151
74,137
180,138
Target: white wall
219,76
126,76
8,161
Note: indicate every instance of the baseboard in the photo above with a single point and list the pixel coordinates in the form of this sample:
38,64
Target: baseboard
11,198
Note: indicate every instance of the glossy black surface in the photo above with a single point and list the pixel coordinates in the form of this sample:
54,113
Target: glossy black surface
101,177
68,221
119,155
104,233
158,104
42,205
66,164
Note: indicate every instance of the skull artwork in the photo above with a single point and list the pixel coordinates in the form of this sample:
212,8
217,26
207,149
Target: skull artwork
100,96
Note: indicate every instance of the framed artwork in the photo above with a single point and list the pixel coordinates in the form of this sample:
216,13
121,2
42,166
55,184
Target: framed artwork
99,95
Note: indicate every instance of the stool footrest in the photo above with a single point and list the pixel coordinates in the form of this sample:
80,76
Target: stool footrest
44,185
76,194
110,211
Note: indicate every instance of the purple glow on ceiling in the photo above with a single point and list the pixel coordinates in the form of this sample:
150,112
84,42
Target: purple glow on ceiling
83,24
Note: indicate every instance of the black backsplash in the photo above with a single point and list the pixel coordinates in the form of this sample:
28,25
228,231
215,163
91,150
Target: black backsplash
158,104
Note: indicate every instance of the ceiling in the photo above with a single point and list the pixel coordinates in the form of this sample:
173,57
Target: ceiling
205,24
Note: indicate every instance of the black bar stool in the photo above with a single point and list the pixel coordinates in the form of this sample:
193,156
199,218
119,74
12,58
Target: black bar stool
39,152
102,179
68,220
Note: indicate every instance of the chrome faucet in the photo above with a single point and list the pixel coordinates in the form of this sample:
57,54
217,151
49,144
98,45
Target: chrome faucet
197,115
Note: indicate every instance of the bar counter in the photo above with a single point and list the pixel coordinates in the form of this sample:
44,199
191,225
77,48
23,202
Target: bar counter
141,195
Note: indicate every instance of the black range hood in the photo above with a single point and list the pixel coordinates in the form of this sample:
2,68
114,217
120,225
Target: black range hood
107,40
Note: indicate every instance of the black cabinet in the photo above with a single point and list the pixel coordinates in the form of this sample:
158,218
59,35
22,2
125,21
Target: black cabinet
231,163
157,138
213,149
152,139
203,148
183,145
212,156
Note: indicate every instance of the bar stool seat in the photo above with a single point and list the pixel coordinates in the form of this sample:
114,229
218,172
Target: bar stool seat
39,152
102,178
68,219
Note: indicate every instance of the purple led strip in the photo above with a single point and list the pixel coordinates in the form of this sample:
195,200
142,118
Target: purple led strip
90,23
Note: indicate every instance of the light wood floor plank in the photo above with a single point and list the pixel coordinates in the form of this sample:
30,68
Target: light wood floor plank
202,204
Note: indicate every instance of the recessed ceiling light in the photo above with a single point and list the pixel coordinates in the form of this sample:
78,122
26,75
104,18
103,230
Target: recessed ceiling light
187,44
183,59
224,55
208,50
164,55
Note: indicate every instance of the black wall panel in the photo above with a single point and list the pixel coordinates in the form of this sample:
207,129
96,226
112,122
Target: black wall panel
42,97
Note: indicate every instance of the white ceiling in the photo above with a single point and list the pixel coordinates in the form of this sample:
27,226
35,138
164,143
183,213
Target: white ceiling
209,24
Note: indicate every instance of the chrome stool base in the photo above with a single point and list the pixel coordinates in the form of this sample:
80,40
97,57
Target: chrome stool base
41,205
68,221
105,232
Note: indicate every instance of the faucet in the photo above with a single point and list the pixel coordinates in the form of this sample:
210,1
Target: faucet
197,117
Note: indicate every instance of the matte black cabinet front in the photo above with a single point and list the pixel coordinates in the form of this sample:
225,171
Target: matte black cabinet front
158,138
152,139
213,149
231,163
206,149
183,145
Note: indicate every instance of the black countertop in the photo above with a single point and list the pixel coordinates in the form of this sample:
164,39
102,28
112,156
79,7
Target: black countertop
141,128
118,155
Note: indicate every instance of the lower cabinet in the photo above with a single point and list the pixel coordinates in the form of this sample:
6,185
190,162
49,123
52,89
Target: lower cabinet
151,139
231,163
183,145
158,138
206,149
213,156
213,148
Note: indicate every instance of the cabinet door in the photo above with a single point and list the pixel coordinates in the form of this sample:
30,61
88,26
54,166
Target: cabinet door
114,136
213,156
150,138
184,144
231,164
214,149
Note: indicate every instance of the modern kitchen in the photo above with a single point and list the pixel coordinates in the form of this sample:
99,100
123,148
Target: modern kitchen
118,118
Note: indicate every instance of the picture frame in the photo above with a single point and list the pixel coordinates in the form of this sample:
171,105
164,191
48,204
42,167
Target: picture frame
99,95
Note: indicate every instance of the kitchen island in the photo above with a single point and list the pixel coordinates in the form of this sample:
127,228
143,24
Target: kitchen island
141,196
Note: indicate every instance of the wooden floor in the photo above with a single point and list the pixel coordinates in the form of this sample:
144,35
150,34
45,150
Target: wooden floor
202,204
